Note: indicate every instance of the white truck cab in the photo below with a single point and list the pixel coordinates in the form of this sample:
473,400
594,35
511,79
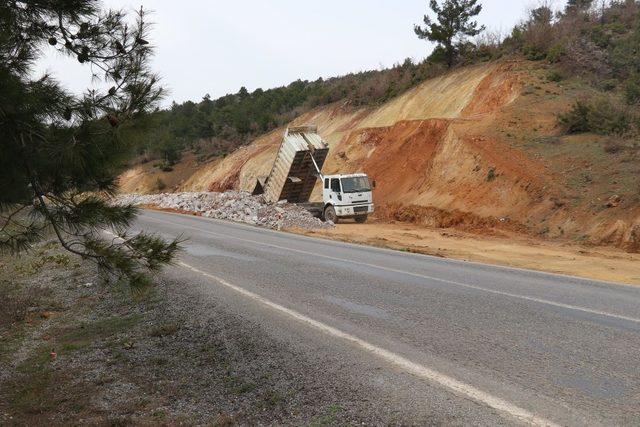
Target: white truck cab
347,196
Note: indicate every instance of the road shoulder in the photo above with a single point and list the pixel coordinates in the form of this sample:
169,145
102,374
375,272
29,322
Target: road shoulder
598,263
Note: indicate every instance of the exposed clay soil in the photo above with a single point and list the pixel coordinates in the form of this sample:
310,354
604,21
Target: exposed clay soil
480,142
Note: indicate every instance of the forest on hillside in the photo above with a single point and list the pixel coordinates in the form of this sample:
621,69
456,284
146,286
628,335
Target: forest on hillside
215,127
590,39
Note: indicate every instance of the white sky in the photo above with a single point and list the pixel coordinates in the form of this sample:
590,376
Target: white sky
215,47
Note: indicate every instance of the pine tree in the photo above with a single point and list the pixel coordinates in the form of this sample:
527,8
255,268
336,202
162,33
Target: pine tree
575,6
453,25
60,153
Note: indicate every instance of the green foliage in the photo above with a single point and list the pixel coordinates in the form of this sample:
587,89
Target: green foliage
600,36
555,53
575,6
453,23
165,167
534,53
602,44
632,90
608,85
601,117
537,38
58,151
491,175
439,55
555,76
160,185
215,127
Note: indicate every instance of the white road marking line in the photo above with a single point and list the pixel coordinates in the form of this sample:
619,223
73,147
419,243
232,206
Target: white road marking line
405,364
422,276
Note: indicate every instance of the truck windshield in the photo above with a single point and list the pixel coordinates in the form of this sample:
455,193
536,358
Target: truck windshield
358,184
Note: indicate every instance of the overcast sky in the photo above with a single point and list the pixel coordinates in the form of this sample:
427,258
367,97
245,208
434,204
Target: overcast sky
215,47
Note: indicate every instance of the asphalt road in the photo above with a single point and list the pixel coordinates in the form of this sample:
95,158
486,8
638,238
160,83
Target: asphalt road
462,342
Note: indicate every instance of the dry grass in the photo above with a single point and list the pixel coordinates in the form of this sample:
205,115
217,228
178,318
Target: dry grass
15,303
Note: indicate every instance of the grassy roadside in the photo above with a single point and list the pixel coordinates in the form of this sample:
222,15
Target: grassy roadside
51,315
76,351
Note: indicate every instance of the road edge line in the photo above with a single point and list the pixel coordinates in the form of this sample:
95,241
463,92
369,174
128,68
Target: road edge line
407,365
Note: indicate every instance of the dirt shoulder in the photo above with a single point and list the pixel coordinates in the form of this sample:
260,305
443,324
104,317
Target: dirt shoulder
75,351
497,247
513,250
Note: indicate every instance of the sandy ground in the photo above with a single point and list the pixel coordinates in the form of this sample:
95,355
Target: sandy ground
601,263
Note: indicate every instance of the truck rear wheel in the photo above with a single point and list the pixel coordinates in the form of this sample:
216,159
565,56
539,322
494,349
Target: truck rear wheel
330,214
361,219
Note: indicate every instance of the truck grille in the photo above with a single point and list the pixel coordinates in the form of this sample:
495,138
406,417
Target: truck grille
361,209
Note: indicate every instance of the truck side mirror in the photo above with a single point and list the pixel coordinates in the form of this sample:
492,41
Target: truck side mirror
373,184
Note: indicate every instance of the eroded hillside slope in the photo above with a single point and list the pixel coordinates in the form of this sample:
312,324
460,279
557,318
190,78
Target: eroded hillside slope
477,148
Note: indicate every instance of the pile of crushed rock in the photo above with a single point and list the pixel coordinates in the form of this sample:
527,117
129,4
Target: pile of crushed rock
233,206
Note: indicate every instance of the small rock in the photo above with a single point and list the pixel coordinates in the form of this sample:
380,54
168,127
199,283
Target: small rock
614,201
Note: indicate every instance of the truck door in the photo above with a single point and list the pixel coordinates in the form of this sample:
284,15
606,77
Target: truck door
326,190
335,192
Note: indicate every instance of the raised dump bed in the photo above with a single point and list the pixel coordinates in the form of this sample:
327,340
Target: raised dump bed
294,174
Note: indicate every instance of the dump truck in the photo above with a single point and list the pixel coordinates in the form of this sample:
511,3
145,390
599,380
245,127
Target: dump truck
296,169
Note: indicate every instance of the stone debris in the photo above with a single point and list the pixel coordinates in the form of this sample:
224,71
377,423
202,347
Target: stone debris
613,202
233,206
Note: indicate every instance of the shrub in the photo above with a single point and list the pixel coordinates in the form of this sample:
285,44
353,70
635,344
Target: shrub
632,91
555,76
616,28
160,184
608,85
534,53
13,308
164,166
555,53
438,56
15,302
600,36
601,117
576,120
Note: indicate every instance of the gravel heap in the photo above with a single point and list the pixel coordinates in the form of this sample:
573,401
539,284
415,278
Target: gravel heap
232,206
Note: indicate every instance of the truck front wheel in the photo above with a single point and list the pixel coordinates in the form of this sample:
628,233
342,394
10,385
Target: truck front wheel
361,219
330,214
